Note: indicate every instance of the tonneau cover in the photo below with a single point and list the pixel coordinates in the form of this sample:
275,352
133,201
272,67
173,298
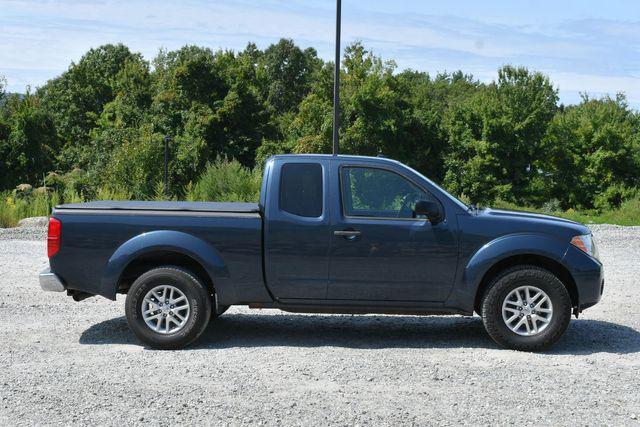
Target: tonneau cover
164,206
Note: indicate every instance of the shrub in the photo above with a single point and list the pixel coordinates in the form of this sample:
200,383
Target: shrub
70,195
22,191
613,197
14,209
8,213
136,165
225,180
552,206
117,193
160,194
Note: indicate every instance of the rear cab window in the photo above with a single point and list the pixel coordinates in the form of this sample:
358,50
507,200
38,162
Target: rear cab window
301,191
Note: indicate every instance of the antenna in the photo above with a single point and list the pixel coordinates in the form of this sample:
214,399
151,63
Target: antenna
336,82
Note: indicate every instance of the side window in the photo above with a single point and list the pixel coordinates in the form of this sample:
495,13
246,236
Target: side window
378,193
301,189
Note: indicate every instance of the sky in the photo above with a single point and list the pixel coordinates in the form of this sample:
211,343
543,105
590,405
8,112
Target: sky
582,45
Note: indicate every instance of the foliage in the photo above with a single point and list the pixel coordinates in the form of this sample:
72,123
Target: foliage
227,181
27,141
495,138
593,153
628,213
13,209
97,130
136,164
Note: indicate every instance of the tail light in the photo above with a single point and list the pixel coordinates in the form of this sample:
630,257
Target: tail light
53,236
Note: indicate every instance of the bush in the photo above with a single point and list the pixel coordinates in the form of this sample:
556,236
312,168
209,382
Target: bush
227,181
613,197
552,206
136,165
8,214
108,193
14,209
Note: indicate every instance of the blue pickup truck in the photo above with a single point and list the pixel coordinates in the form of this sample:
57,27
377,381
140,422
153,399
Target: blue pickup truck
330,234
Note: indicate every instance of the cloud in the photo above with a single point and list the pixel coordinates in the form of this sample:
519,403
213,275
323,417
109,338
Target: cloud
39,39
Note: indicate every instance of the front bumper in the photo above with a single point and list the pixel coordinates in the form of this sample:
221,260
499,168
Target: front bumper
51,282
588,274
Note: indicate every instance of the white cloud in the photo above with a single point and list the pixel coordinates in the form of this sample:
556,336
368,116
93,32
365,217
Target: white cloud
38,39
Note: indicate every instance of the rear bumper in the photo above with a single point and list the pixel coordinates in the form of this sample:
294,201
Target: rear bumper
588,275
51,282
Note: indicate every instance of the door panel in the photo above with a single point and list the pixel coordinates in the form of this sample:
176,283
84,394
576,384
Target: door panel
393,255
297,231
392,260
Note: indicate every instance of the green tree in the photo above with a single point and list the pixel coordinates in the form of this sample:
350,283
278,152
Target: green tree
136,164
120,119
495,138
5,130
373,115
109,112
426,138
286,72
3,85
593,153
27,139
75,100
209,103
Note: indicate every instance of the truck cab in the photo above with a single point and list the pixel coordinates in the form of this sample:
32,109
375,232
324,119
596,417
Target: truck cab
344,231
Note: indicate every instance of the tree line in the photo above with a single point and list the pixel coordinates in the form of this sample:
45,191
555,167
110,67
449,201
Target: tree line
101,124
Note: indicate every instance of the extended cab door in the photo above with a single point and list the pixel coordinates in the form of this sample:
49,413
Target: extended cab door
296,227
380,250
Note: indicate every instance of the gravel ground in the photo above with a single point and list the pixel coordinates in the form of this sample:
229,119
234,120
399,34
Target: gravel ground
77,363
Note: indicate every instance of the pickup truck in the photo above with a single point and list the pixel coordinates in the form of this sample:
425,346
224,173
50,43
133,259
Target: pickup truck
330,234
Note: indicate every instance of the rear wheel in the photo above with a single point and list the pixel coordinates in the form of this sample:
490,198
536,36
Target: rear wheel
168,307
526,308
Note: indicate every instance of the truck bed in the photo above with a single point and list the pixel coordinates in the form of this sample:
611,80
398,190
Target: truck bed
225,238
164,206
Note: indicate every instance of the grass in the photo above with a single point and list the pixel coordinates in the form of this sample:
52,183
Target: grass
13,209
627,214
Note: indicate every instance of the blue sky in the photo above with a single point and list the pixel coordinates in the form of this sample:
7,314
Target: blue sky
584,46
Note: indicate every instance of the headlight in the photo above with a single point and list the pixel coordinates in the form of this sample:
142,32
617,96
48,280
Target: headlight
585,243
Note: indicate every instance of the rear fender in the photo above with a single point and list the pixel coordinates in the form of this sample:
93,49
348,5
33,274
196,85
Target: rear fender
163,240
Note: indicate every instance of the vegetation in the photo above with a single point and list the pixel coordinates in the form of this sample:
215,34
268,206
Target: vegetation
628,213
96,131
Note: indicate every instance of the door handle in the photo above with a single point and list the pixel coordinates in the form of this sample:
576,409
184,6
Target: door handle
347,234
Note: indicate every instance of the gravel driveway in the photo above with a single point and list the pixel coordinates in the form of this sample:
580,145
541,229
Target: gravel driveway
77,363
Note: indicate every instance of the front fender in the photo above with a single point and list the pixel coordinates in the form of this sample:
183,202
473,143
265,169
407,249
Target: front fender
161,240
497,250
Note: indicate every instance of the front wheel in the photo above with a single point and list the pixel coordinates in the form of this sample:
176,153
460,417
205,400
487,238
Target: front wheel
526,308
168,307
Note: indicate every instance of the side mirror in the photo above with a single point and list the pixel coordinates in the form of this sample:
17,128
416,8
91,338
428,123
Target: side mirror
430,209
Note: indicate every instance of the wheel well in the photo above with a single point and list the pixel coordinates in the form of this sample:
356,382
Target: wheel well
540,261
151,260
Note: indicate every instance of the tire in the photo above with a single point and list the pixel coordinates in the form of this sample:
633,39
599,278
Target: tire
509,284
195,297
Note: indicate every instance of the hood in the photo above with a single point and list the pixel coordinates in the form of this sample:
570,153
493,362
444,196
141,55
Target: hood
532,215
535,219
